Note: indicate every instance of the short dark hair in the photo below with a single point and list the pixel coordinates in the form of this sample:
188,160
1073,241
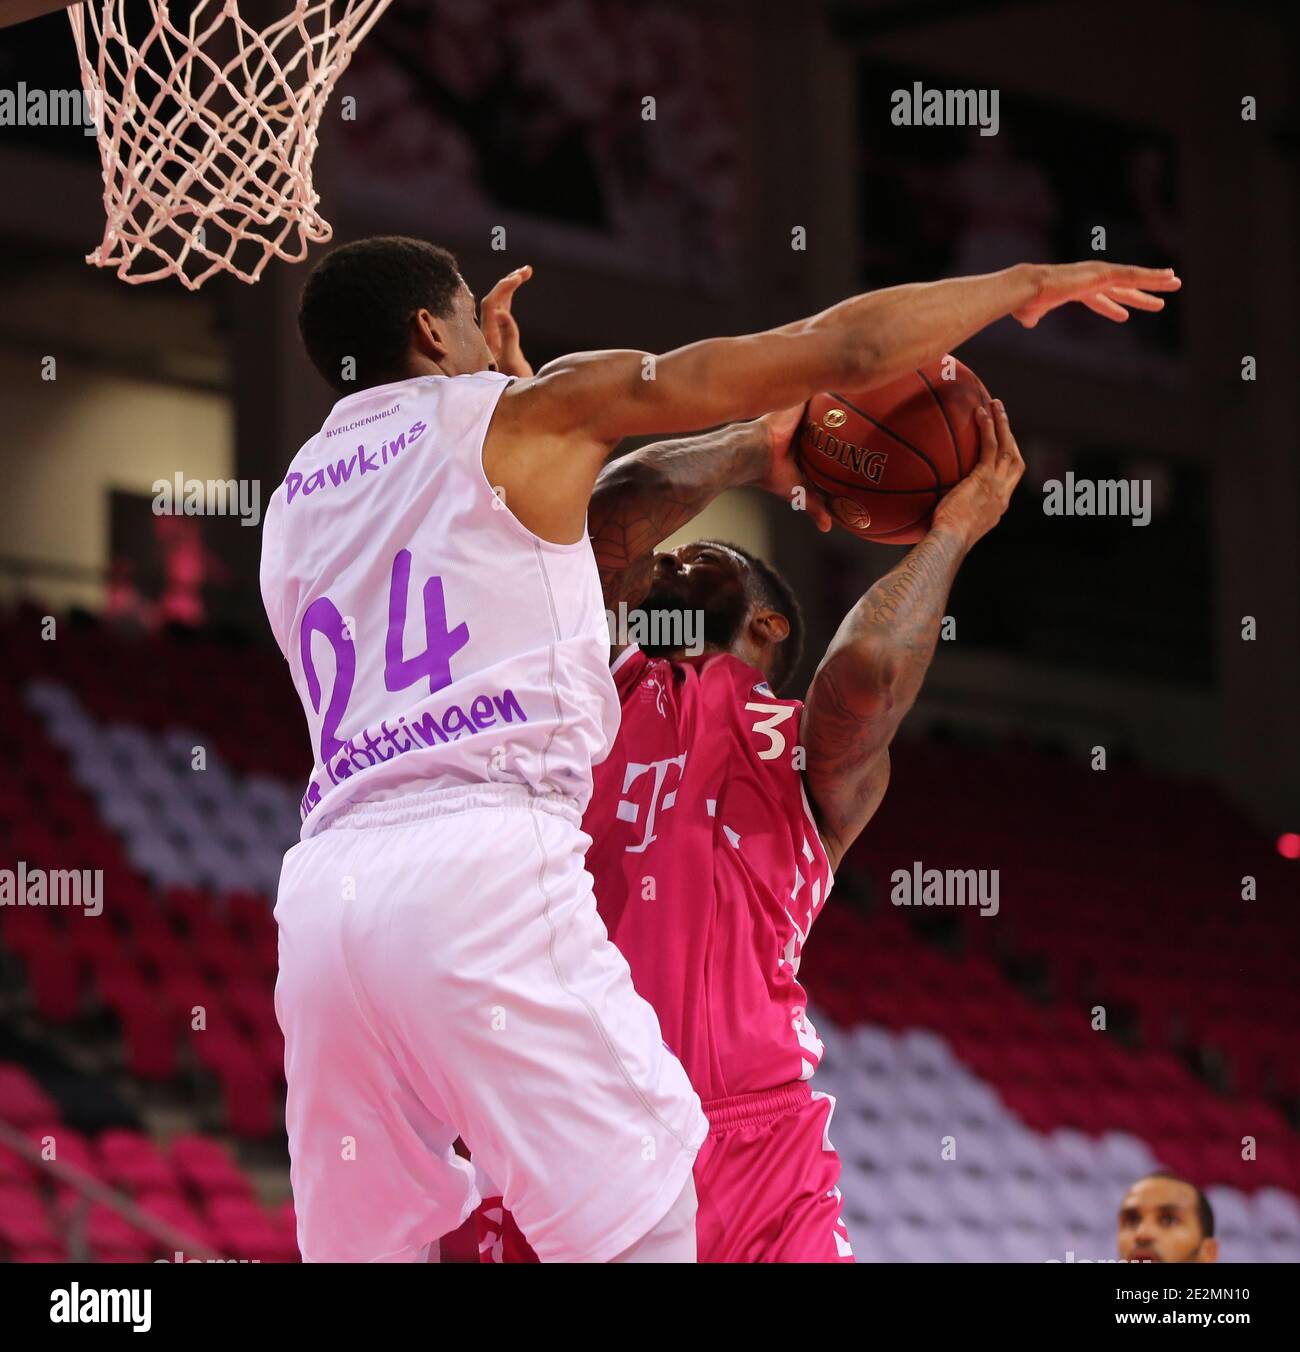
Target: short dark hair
773,591
359,300
1204,1211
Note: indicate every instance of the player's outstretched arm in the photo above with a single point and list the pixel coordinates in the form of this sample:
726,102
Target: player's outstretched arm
643,497
550,435
865,340
873,669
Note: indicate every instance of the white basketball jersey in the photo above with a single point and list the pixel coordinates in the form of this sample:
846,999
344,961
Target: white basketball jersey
434,641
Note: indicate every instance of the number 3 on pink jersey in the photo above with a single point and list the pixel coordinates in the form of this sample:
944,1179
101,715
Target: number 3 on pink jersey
769,727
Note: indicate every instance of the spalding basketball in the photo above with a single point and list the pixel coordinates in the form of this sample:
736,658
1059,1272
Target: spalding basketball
884,458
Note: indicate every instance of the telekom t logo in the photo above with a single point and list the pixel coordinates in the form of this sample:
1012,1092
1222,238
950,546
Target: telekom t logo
659,801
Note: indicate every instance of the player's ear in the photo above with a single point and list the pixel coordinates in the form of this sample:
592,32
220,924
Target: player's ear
429,334
1209,1251
771,626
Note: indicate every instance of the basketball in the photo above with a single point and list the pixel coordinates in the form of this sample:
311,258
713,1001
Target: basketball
885,457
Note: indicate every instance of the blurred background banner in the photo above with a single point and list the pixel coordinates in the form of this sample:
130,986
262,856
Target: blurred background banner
604,134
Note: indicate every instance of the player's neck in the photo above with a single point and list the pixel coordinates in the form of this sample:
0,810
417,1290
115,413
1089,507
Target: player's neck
691,654
706,651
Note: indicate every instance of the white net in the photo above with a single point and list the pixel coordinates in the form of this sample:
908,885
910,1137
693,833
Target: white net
207,130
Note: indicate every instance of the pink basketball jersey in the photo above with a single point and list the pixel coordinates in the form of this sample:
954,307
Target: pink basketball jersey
709,868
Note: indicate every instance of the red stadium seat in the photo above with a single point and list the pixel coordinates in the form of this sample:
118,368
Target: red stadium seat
148,1031
54,974
172,1208
25,1220
207,1167
23,1103
112,1238
134,1162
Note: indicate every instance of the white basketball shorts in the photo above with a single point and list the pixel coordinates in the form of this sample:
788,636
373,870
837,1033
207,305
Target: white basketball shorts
444,973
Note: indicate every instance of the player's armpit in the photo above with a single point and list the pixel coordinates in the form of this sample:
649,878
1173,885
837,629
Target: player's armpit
550,437
543,477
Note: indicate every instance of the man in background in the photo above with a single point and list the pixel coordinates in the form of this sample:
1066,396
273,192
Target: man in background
1166,1219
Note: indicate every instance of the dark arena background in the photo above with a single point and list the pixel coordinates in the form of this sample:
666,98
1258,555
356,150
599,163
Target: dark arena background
1110,729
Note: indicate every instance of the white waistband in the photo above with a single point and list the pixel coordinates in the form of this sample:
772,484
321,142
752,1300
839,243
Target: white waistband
430,803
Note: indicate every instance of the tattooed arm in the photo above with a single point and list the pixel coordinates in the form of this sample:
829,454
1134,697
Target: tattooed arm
641,498
873,669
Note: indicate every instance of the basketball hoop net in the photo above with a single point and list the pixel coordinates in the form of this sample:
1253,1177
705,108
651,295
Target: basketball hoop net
207,135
